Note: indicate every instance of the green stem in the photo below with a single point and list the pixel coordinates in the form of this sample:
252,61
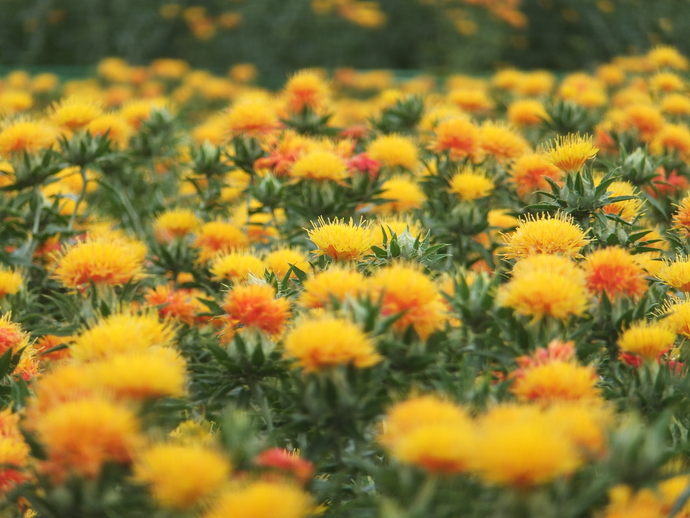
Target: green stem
260,398
82,195
424,496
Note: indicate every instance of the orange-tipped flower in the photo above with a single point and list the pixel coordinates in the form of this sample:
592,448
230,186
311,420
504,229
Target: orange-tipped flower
342,241
255,306
105,261
614,271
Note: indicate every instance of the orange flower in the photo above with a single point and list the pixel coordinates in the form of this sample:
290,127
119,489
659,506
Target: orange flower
459,136
24,135
615,272
181,304
501,142
528,173
255,306
219,236
306,89
405,289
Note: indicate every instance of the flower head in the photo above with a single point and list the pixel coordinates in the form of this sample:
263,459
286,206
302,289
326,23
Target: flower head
237,266
155,372
647,340
502,142
676,274
175,223
407,416
256,306
405,289
522,447
471,184
115,126
458,136
527,112
614,271
251,117
180,476
24,135
80,436
529,171
218,236
545,234
405,195
74,112
307,89
342,241
10,281
556,381
570,153
259,500
280,260
328,341
106,260
336,283
121,333
394,151
320,165
178,304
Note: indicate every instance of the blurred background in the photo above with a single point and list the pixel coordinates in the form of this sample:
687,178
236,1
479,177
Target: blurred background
279,36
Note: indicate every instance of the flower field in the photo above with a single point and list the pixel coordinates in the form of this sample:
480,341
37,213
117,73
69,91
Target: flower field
356,296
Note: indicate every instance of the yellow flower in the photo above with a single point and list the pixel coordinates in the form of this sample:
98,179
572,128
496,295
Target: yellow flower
545,234
624,503
405,289
325,342
122,333
405,195
545,286
437,448
218,236
307,89
501,142
471,184
342,241
626,209
526,112
676,274
570,153
251,117
237,266
336,283
677,317
319,165
665,56
529,171
10,281
556,381
676,104
585,423
263,499
82,435
417,412
522,448
74,112
139,110
155,372
394,151
24,135
279,261
647,340
114,125
106,260
175,223
181,476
